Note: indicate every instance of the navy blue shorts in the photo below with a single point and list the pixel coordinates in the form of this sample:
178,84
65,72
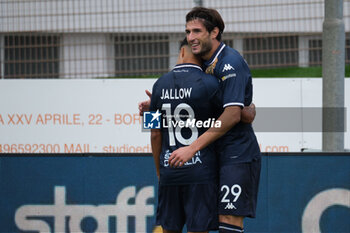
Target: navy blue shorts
194,205
239,184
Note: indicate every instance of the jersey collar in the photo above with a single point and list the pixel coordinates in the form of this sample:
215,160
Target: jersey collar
187,65
215,55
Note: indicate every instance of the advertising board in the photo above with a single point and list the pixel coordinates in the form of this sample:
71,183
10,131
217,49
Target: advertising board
101,116
299,192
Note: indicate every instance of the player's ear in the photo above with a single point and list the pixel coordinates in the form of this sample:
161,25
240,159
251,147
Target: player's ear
183,51
181,55
214,33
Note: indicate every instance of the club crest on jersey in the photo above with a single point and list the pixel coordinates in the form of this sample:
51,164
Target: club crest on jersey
151,120
227,67
210,69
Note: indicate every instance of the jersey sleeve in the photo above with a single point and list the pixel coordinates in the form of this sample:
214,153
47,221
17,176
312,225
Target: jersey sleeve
234,75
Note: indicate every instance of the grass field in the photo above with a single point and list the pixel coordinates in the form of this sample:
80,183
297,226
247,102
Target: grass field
290,72
293,72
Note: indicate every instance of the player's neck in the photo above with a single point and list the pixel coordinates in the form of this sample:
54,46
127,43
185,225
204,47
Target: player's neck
192,60
214,47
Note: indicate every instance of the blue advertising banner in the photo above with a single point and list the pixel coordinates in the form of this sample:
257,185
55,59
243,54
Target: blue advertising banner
299,192
303,192
77,194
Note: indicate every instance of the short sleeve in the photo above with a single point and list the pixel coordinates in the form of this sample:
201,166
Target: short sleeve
234,76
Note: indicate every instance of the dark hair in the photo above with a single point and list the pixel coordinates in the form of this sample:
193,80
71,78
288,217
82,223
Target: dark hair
183,43
210,18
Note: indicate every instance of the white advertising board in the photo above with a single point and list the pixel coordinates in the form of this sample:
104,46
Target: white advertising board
67,116
77,116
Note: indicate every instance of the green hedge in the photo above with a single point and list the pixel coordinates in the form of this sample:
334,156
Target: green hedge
291,72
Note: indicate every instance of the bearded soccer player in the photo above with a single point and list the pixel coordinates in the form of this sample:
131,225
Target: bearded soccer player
239,153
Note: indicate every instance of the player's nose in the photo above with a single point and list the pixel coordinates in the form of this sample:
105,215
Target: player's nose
190,37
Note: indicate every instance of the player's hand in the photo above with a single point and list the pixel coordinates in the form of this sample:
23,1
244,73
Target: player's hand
180,156
248,114
252,106
144,105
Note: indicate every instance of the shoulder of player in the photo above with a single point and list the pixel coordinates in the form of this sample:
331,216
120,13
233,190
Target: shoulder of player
230,56
230,61
161,81
164,78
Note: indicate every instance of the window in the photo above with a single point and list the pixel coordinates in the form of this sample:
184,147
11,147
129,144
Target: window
228,42
315,52
271,51
315,47
31,56
141,54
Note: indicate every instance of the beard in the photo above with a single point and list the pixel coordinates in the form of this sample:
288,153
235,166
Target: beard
206,47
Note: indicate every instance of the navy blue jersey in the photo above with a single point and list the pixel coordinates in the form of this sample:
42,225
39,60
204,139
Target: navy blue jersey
189,101
239,144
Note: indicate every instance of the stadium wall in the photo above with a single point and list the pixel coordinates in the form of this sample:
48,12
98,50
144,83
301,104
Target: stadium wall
299,192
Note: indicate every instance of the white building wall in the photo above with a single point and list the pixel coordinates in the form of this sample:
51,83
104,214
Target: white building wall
303,51
86,56
94,16
161,15
238,45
